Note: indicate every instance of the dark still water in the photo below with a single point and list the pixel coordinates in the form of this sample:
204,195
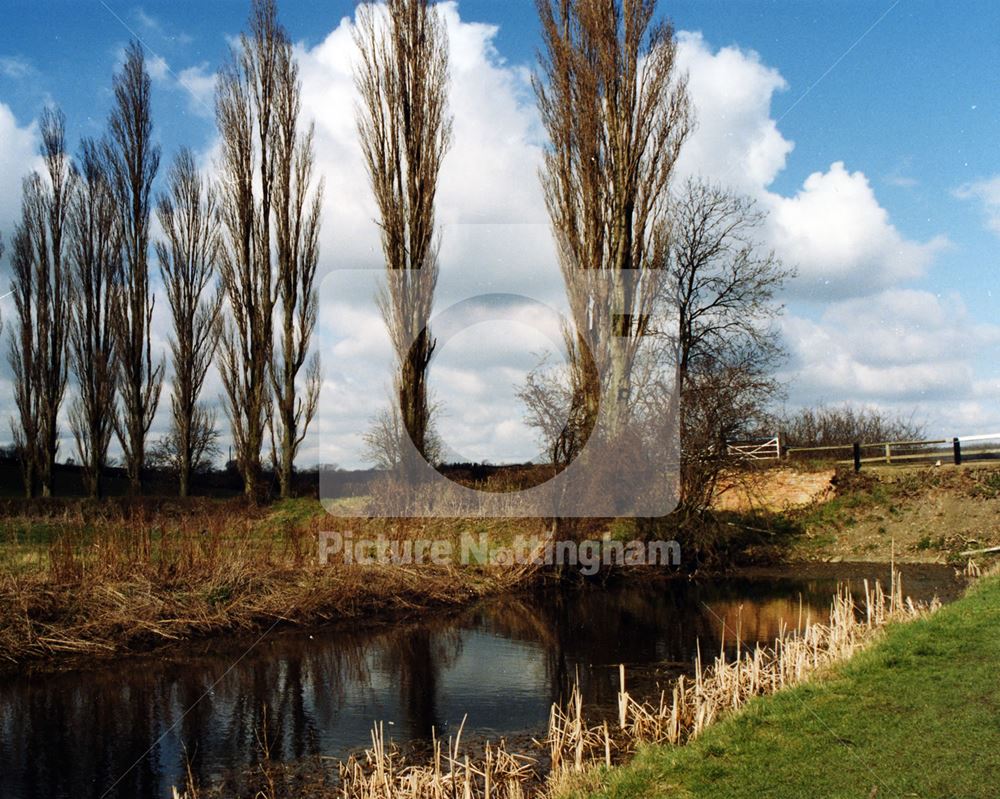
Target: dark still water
129,729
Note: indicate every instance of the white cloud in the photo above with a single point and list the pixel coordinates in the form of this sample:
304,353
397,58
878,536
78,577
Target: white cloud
736,141
859,335
987,192
199,82
156,27
833,229
18,156
841,239
16,67
158,68
900,349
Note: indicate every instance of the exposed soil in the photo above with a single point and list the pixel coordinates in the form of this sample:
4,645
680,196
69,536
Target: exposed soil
775,490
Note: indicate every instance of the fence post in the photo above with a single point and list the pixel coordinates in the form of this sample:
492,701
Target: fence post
857,456
957,446
888,453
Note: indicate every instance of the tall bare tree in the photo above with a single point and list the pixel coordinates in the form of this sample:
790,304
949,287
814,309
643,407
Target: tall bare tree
97,281
41,298
616,114
270,214
21,355
133,159
245,95
188,258
405,131
720,289
297,219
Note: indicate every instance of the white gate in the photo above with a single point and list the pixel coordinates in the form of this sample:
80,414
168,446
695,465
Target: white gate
762,450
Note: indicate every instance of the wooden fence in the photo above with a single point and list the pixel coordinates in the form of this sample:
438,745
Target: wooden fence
955,450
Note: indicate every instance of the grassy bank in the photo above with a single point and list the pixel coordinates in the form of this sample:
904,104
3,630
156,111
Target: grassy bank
909,513
98,579
915,715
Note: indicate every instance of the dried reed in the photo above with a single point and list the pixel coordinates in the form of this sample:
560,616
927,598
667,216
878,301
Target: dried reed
133,577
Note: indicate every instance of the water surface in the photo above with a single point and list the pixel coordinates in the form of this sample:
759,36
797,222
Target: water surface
130,728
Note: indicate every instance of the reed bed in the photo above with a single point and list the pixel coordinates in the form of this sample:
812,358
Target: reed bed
572,749
108,579
726,685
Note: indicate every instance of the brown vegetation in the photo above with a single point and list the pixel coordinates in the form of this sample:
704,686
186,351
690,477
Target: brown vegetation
96,579
825,425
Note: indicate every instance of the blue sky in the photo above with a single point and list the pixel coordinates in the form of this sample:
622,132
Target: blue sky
902,94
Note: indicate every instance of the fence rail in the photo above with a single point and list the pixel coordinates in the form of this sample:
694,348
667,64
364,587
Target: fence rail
895,451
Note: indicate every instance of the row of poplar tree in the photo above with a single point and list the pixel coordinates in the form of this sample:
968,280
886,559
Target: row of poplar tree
247,242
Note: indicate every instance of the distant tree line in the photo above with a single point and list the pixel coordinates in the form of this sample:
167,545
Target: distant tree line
835,425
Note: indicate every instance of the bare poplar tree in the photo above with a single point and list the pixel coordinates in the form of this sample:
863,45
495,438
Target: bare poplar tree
41,298
133,160
405,131
21,356
297,221
616,114
188,258
244,108
96,278
270,215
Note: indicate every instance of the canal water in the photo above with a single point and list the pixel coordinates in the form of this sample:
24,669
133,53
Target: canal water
132,728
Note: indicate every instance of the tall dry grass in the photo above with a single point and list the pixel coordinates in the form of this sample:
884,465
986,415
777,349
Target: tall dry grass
132,576
572,749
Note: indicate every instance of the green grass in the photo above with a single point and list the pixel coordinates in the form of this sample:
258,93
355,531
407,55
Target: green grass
917,715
